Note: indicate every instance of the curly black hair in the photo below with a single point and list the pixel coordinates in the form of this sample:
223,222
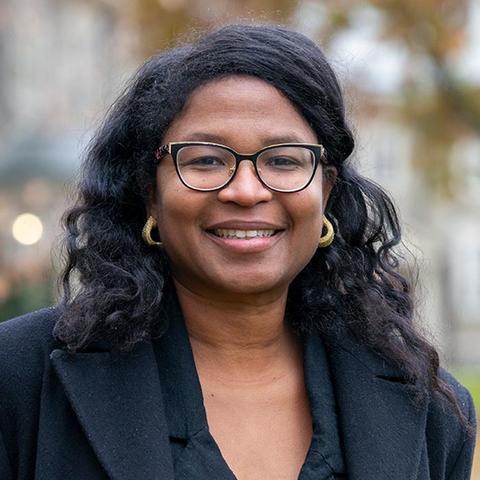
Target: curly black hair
113,282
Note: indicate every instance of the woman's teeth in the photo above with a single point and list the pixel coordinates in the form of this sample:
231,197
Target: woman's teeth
224,233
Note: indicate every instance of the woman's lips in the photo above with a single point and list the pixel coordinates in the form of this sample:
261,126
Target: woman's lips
251,244
243,234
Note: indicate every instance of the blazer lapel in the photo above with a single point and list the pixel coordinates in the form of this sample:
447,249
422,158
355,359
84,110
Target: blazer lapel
382,429
117,399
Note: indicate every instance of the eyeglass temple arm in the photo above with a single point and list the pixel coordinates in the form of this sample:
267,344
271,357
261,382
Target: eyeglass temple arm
160,152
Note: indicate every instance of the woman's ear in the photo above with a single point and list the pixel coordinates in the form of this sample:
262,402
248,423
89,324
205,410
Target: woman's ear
151,204
329,178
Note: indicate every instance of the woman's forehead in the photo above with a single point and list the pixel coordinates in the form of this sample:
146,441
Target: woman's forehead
242,104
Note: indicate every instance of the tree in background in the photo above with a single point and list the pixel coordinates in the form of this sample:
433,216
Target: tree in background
159,22
434,34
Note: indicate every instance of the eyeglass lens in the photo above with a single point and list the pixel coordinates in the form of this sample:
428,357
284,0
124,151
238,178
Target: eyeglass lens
281,168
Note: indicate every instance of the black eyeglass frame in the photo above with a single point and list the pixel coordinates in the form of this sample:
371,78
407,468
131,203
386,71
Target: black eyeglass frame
173,148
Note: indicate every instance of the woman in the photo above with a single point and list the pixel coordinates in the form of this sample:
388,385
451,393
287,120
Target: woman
237,309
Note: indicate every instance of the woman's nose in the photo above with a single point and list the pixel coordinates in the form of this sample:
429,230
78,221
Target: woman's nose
245,189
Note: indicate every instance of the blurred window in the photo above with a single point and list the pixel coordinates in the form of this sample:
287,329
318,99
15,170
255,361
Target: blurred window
465,272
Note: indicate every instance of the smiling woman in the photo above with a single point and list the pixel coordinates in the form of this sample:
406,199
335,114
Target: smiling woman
238,309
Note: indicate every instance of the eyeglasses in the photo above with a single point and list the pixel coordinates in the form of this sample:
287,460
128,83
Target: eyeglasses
205,167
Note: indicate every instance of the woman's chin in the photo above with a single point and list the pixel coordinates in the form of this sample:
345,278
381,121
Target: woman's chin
238,285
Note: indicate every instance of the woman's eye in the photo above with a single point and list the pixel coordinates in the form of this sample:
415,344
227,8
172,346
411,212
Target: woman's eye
283,162
206,162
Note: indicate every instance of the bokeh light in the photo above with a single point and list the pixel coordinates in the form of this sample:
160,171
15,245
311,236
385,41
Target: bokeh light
27,229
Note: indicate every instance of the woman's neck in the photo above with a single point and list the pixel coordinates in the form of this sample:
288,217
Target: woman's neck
240,341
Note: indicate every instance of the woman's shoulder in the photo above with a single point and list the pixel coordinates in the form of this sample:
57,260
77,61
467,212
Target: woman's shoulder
462,394
439,404
25,346
450,442
29,330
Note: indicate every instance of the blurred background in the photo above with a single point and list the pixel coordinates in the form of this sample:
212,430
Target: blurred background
411,74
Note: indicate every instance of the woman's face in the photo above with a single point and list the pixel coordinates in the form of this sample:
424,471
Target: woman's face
246,114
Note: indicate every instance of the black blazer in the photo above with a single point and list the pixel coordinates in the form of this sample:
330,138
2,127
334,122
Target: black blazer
98,415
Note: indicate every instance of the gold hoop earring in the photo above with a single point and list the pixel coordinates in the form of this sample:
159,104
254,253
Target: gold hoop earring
147,232
326,239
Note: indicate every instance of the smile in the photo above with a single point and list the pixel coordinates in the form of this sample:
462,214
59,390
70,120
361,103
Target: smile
243,234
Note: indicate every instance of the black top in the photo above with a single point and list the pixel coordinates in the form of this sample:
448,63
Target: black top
195,454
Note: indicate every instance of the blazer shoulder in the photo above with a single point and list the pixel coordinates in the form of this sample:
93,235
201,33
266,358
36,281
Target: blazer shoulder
25,346
27,331
462,394
451,442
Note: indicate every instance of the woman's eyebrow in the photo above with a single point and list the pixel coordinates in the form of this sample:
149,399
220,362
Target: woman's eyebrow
205,137
284,138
